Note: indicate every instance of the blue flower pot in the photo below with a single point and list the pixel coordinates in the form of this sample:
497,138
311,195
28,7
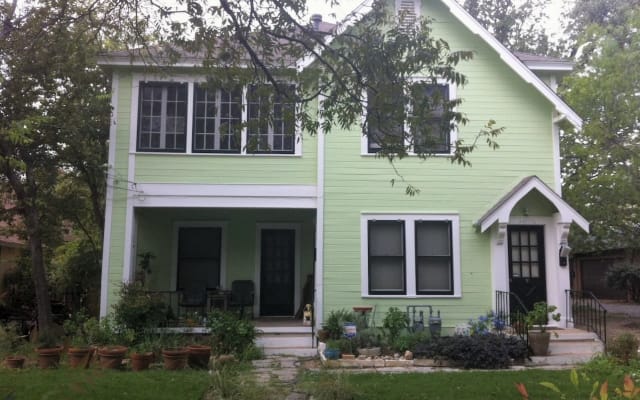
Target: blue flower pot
332,354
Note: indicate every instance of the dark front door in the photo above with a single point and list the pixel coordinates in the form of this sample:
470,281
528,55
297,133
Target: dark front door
526,264
277,271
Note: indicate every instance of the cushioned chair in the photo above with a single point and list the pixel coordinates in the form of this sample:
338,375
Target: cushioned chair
242,295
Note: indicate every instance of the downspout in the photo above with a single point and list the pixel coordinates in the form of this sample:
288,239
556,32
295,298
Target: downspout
319,277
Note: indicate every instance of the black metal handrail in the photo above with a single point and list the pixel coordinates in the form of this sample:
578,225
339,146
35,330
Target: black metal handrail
585,311
511,310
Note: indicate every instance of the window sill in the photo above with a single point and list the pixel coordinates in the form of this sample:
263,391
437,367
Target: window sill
410,155
421,296
166,153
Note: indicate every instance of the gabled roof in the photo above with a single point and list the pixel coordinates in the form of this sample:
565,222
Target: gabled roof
512,61
501,211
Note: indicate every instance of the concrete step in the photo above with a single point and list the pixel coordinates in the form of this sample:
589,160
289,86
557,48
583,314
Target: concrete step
577,347
561,359
291,351
284,340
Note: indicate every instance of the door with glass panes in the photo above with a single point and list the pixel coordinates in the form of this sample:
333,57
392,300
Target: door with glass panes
526,264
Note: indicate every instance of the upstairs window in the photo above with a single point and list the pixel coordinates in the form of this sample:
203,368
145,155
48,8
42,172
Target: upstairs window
434,136
391,124
162,117
217,120
270,120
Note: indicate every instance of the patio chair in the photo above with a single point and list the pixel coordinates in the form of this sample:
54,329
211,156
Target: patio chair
242,295
193,298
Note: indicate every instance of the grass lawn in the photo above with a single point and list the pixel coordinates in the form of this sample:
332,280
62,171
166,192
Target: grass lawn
472,385
65,383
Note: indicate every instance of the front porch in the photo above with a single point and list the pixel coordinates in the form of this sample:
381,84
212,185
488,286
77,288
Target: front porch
259,262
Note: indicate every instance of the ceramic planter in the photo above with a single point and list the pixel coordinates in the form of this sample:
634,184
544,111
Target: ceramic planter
199,356
15,362
141,361
332,354
49,357
111,356
539,342
175,358
80,357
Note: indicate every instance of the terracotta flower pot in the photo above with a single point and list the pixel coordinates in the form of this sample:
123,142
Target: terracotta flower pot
175,358
15,362
49,357
199,356
111,356
80,357
141,361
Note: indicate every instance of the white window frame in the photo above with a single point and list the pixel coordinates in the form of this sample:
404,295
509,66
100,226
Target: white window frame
191,81
453,135
410,252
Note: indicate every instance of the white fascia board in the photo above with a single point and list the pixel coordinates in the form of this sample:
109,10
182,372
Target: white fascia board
503,213
226,196
548,66
512,61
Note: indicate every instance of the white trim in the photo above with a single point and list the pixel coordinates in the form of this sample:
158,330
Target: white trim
128,260
318,278
512,61
549,66
453,134
296,227
198,224
108,211
225,196
410,219
191,80
557,168
502,213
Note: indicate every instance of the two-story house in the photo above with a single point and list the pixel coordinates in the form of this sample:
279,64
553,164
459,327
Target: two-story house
294,210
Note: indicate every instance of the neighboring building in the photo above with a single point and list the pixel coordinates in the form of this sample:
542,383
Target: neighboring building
589,272
212,212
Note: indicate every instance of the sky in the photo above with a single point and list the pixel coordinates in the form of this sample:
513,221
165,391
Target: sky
553,24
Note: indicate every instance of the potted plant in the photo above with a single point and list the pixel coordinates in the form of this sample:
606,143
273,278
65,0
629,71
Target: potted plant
142,354
198,355
144,266
12,346
48,350
80,329
113,350
335,322
175,354
537,319
332,350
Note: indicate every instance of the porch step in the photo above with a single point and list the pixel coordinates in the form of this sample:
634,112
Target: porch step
284,340
569,347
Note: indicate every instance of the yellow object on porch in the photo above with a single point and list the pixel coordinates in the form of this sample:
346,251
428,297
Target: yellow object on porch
306,315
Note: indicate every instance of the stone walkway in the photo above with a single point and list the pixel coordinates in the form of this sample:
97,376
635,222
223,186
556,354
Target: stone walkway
282,369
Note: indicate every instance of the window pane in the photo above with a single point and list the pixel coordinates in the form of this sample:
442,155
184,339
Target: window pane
162,113
515,254
433,274
386,274
533,238
525,271
515,238
516,273
433,238
385,118
386,238
535,270
534,254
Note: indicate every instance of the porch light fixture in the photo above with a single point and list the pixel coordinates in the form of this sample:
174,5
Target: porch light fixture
564,252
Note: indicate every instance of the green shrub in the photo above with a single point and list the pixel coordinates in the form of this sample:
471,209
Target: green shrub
230,334
408,341
488,351
370,337
334,324
137,309
624,348
394,322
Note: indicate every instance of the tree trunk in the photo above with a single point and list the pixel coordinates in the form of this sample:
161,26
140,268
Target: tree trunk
38,273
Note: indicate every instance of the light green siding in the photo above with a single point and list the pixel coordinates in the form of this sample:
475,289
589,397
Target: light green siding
212,168
495,92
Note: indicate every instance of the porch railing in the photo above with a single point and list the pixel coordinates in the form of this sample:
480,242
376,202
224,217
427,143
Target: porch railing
585,311
511,310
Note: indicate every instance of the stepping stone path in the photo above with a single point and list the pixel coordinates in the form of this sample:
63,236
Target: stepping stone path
282,369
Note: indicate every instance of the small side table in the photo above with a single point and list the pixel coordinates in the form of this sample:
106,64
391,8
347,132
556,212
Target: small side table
363,310
218,298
